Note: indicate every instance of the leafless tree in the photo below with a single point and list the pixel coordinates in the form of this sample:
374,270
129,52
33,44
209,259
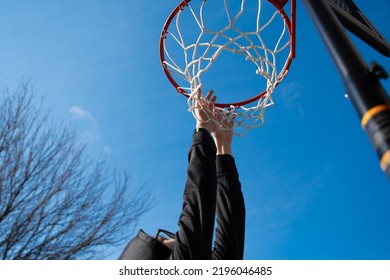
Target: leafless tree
55,202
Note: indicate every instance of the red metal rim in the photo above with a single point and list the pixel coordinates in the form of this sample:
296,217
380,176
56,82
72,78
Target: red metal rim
279,5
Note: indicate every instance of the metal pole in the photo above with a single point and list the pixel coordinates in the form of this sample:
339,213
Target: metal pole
362,82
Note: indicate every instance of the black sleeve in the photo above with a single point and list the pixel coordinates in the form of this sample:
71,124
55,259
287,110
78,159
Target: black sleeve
196,222
230,231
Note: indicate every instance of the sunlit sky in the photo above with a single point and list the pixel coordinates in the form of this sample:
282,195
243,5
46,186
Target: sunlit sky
310,177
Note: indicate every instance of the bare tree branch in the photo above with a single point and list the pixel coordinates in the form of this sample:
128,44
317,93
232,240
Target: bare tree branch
55,203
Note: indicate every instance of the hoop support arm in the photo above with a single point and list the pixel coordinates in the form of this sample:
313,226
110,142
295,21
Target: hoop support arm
369,98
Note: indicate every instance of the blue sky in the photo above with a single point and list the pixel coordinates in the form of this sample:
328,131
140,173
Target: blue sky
311,180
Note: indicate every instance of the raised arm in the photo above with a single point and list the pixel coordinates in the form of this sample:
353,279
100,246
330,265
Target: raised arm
196,222
230,231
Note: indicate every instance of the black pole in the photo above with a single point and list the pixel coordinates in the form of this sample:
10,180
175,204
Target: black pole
362,82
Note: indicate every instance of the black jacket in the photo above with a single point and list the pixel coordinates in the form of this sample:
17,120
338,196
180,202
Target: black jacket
212,187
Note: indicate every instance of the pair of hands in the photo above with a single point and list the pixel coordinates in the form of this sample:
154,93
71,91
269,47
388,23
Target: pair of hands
223,137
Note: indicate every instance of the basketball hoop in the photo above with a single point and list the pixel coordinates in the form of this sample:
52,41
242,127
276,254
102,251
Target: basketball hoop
190,46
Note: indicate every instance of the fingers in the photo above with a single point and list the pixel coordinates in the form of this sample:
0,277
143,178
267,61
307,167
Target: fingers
231,121
207,101
210,97
228,120
213,99
218,120
198,93
204,107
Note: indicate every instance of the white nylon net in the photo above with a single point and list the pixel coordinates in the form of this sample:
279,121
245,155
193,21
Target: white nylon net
203,32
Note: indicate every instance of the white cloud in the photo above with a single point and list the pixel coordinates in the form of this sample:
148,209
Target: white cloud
106,150
80,113
88,129
290,96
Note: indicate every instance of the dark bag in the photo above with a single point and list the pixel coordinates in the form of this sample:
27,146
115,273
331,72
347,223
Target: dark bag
146,247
